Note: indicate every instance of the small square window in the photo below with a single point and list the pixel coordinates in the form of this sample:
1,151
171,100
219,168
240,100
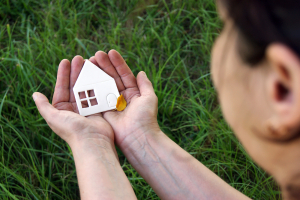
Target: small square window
84,104
91,93
94,102
82,95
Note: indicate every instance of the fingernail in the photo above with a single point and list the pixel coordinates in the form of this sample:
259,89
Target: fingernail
145,74
34,96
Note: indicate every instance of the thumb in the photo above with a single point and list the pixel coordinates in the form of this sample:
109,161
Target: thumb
144,84
43,105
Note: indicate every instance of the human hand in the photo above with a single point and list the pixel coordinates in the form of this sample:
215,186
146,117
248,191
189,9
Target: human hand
62,116
140,115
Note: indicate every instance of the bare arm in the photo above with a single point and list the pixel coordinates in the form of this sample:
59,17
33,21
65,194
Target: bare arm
91,139
172,172
99,173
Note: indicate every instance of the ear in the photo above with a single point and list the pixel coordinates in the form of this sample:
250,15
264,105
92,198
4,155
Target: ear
284,92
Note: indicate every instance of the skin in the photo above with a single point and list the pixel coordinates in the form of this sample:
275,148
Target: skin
170,171
264,117
91,139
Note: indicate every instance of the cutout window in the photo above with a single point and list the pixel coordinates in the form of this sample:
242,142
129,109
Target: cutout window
82,95
84,104
91,93
94,102
87,98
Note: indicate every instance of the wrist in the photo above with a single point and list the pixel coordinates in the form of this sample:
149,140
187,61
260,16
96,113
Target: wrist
86,138
135,142
92,145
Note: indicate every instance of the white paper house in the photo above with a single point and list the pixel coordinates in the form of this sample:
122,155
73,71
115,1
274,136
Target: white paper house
92,80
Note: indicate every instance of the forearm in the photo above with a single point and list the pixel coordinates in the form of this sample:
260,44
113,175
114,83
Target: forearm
99,173
172,172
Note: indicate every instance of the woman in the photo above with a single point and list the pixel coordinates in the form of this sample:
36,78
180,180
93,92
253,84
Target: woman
256,71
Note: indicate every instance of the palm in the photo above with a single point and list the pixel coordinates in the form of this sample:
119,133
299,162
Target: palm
64,100
139,111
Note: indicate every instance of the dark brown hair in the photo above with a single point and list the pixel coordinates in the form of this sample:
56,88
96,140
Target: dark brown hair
261,22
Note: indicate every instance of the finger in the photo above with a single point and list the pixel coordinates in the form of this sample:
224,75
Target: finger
144,84
76,67
62,86
44,107
110,116
95,116
123,70
93,60
105,64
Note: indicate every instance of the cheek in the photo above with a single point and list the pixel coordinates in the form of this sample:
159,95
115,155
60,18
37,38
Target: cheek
243,100
228,74
234,95
224,79
231,107
216,58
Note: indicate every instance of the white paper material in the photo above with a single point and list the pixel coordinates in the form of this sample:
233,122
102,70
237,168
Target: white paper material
105,88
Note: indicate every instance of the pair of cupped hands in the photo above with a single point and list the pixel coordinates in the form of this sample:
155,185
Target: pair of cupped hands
139,117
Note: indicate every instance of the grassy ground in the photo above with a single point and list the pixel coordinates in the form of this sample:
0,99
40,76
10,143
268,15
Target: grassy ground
170,40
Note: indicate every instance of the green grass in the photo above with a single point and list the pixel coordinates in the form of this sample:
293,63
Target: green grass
170,40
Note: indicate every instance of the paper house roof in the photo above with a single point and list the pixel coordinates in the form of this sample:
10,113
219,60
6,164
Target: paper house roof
91,74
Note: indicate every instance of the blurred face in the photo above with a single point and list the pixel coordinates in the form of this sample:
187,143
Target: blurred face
240,87
246,100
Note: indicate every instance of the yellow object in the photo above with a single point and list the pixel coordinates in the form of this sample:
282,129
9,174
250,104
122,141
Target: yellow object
121,103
